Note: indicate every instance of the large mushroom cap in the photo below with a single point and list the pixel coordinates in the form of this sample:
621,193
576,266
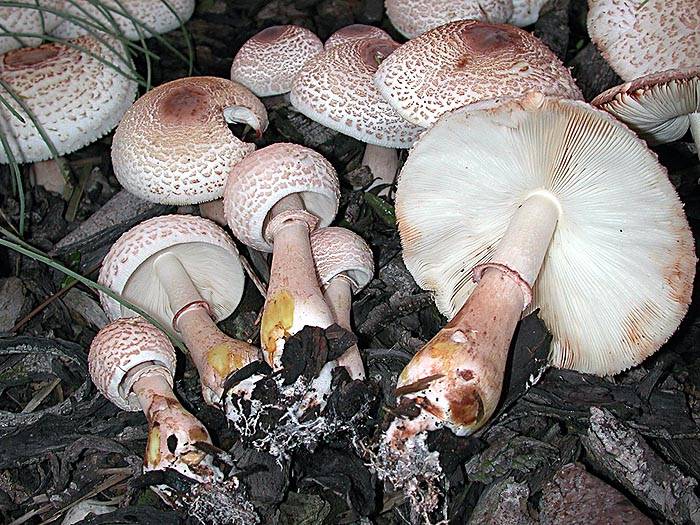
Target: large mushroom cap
25,20
657,106
617,278
465,62
122,352
355,32
74,96
204,249
264,177
152,16
335,88
173,146
414,17
339,251
639,38
268,61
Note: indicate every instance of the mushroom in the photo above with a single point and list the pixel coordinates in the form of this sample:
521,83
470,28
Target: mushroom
414,17
464,62
659,107
173,146
73,95
355,32
132,364
25,20
344,265
642,38
184,271
274,198
268,61
154,16
335,89
546,204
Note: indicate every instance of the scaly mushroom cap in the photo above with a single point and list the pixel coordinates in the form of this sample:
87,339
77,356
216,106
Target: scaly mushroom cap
75,97
656,106
339,251
173,146
156,16
122,352
335,88
465,62
264,177
353,33
203,248
22,20
268,61
414,17
617,277
639,38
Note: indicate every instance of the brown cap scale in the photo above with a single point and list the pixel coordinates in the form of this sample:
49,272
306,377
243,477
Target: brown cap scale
173,146
355,32
344,265
132,364
273,200
268,61
547,204
156,16
465,62
183,270
414,17
74,96
659,107
640,38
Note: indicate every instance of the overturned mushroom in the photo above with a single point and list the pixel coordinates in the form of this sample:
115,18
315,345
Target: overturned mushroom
274,199
132,364
184,271
173,146
344,265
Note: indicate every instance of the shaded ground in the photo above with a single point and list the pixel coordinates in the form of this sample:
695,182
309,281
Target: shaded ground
642,437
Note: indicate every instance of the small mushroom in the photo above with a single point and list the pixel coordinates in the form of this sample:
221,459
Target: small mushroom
185,271
545,204
344,265
641,38
132,364
465,62
173,146
659,107
335,89
73,95
268,61
353,33
274,198
157,16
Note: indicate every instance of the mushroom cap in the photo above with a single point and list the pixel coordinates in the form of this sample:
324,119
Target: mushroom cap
268,61
336,89
21,20
204,249
618,274
465,62
657,106
414,17
339,250
526,12
173,146
639,38
75,97
264,177
122,346
156,16
355,32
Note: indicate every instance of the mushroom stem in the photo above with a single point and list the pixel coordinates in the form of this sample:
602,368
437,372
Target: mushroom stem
215,354
456,379
294,297
383,163
695,130
172,431
338,295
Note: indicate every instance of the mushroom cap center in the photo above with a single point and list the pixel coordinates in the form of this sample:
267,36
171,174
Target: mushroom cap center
30,56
